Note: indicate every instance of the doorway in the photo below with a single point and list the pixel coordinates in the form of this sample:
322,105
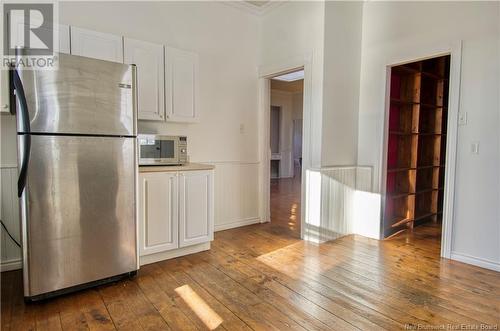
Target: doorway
416,148
286,113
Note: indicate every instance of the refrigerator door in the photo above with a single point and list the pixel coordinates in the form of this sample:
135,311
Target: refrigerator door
82,96
78,211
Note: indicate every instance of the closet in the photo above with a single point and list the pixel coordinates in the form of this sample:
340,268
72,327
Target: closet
416,145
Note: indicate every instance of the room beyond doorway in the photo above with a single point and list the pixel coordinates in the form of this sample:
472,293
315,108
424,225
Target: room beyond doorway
286,121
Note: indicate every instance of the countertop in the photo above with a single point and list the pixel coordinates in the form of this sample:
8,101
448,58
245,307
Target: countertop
186,167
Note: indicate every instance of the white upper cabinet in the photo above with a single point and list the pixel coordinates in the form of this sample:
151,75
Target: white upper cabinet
149,59
97,45
158,216
182,79
196,214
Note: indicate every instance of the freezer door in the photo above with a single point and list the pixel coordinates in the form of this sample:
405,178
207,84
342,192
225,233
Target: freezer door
78,211
83,96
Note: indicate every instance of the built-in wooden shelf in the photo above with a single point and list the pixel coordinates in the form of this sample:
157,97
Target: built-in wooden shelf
416,144
400,133
404,102
397,221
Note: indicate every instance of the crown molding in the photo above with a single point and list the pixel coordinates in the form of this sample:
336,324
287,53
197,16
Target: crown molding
252,9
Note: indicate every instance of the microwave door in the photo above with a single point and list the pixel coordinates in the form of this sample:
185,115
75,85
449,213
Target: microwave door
169,150
151,150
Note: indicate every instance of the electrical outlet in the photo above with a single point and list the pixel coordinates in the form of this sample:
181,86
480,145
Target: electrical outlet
462,118
474,147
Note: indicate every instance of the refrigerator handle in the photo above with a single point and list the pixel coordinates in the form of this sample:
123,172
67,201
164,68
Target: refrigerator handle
12,96
25,120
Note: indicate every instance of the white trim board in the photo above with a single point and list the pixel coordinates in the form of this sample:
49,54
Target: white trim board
11,265
237,224
479,262
157,257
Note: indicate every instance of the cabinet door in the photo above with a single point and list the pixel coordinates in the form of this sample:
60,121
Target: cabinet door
182,78
158,212
97,45
196,210
17,33
149,59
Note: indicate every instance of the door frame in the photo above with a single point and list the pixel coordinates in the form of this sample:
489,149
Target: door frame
422,53
265,74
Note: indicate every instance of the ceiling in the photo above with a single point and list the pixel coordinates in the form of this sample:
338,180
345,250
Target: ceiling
257,7
292,87
258,3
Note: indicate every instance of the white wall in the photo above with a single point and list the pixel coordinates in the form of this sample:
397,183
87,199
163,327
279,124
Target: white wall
341,83
298,105
294,32
398,30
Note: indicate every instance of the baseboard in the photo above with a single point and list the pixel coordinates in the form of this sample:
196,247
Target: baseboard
479,262
11,265
237,224
157,257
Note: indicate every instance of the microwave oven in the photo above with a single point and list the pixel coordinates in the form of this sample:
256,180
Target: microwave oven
162,150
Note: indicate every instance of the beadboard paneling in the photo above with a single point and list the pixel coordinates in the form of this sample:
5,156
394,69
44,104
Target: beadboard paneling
10,256
236,194
334,197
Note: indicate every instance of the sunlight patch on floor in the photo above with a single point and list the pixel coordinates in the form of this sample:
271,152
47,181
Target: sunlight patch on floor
308,256
206,314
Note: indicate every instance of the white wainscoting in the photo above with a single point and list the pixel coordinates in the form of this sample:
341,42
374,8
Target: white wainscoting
10,257
236,194
335,195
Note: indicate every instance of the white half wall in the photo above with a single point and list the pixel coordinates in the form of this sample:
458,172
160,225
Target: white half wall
236,202
398,30
339,202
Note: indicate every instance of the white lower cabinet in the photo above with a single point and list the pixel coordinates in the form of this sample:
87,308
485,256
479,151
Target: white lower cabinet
196,221
176,213
158,201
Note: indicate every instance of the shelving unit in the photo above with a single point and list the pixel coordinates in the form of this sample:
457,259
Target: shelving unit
417,144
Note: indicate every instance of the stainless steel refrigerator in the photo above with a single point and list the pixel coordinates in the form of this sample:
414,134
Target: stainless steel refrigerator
77,174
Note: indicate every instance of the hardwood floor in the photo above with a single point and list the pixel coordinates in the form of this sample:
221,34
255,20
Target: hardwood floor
262,277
